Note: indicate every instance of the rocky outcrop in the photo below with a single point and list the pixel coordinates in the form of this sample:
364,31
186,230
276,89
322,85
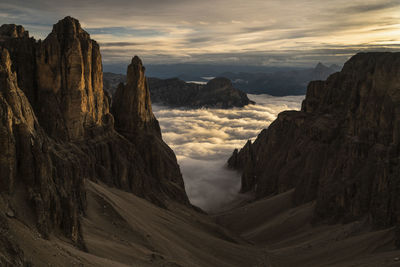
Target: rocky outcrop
62,74
56,132
22,50
131,103
30,164
70,82
341,150
134,119
172,92
242,160
12,31
217,93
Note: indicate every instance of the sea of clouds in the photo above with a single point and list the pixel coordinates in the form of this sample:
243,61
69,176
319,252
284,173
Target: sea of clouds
204,139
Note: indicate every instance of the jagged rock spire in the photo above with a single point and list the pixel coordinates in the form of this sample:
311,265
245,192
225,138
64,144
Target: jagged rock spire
12,31
70,82
132,105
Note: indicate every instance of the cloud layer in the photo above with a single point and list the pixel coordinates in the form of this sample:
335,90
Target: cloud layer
203,140
274,32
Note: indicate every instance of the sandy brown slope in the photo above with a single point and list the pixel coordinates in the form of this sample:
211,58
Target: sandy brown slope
136,230
121,229
291,240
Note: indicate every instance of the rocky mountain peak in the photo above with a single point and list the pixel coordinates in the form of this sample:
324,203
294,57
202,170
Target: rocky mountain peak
70,76
321,72
219,82
320,66
131,103
136,72
341,150
335,67
13,31
217,93
377,70
56,132
69,28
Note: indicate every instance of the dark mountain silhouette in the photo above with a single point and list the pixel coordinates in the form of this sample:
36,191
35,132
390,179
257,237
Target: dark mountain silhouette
341,151
217,93
280,83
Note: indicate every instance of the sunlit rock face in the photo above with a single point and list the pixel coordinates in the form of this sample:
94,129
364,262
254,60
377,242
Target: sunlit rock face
61,76
30,163
70,81
341,149
56,132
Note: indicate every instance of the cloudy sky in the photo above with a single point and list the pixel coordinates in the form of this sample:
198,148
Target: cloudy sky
253,32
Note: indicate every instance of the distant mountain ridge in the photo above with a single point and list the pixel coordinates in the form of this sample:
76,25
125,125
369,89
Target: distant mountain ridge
196,70
280,83
217,93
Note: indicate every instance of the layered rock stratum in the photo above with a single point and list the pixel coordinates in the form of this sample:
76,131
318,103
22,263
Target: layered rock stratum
341,150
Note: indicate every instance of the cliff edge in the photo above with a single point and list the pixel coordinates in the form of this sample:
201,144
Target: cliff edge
341,150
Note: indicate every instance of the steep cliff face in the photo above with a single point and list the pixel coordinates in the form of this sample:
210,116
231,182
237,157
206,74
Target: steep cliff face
22,50
132,105
70,81
135,120
61,76
341,149
56,132
34,172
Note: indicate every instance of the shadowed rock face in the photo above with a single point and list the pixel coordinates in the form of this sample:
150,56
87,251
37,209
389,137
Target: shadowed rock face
135,120
56,131
12,31
341,149
131,103
22,51
30,162
217,93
